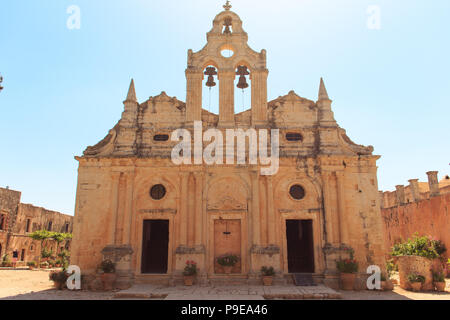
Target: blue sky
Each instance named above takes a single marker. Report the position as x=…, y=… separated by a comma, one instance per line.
x=64, y=88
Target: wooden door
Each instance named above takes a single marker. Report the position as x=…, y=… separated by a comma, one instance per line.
x=227, y=240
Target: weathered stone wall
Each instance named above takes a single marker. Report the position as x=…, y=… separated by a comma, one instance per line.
x=14, y=237
x=428, y=217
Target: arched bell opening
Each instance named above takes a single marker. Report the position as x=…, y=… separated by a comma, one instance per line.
x=243, y=89
x=210, y=89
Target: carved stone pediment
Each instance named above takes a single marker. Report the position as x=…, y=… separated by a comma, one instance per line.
x=226, y=204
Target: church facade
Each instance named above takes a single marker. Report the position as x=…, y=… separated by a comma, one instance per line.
x=150, y=215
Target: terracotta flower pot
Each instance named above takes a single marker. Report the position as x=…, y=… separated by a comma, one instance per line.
x=387, y=285
x=267, y=281
x=416, y=286
x=188, y=281
x=348, y=281
x=108, y=280
x=228, y=269
x=440, y=286
x=58, y=285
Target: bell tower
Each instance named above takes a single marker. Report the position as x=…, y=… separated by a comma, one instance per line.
x=227, y=55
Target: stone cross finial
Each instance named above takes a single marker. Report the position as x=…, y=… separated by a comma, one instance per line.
x=227, y=6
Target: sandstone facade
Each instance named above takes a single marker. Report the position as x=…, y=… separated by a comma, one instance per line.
x=325, y=192
x=17, y=220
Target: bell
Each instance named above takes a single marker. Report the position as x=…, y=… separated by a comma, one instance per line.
x=242, y=72
x=227, y=24
x=242, y=83
x=210, y=83
x=210, y=72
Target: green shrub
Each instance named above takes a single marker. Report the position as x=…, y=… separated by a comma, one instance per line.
x=228, y=260
x=107, y=266
x=347, y=266
x=31, y=264
x=190, y=269
x=419, y=246
x=268, y=271
x=45, y=254
x=438, y=277
x=58, y=276
x=415, y=278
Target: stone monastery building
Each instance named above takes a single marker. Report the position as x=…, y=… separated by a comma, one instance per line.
x=149, y=215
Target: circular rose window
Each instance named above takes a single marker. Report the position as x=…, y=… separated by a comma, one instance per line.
x=158, y=192
x=297, y=192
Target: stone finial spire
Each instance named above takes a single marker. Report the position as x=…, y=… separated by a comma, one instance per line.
x=323, y=94
x=227, y=6
x=131, y=93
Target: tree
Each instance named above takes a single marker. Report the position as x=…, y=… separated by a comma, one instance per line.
x=41, y=236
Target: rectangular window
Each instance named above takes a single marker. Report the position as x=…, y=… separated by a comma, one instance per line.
x=28, y=225
x=2, y=222
x=22, y=256
x=67, y=227
x=49, y=227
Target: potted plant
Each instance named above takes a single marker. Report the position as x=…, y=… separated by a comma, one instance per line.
x=190, y=271
x=44, y=265
x=31, y=265
x=6, y=263
x=267, y=275
x=416, y=281
x=348, y=269
x=58, y=264
x=108, y=276
x=59, y=279
x=439, y=281
x=228, y=262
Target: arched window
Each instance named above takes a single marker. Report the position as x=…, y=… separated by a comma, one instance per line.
x=49, y=226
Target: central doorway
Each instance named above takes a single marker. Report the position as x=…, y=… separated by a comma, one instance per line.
x=300, y=245
x=155, y=247
x=227, y=240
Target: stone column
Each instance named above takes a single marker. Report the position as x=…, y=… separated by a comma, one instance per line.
x=328, y=205
x=226, y=98
x=400, y=194
x=128, y=209
x=415, y=191
x=259, y=96
x=271, y=220
x=194, y=80
x=191, y=210
x=115, y=200
x=256, y=209
x=198, y=208
x=434, y=183
x=343, y=230
x=184, y=208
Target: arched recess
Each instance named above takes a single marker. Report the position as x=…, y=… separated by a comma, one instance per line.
x=308, y=208
x=227, y=199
